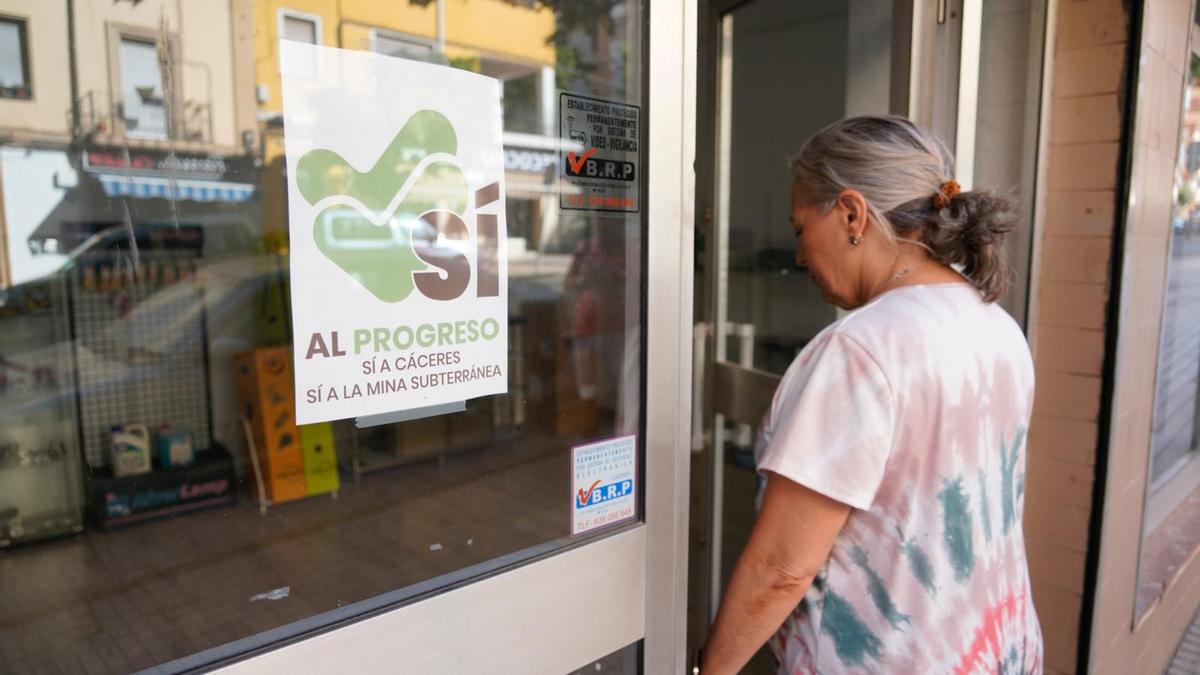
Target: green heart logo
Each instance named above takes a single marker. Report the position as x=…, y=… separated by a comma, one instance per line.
x=364, y=234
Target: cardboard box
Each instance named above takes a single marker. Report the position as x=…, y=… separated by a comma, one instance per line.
x=422, y=438
x=263, y=380
x=288, y=484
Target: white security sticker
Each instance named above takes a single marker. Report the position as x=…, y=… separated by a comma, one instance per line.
x=603, y=483
x=599, y=154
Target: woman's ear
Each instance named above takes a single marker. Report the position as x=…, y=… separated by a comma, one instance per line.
x=854, y=210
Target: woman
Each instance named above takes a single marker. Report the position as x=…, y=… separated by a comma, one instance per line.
x=889, y=538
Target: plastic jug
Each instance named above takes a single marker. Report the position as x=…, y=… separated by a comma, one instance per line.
x=130, y=450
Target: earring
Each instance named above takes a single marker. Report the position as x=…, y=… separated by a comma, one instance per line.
x=855, y=239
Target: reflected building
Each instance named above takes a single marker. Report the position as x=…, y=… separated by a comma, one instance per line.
x=143, y=106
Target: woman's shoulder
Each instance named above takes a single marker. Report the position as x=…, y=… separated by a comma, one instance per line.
x=937, y=321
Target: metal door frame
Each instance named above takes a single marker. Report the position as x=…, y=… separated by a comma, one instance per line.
x=573, y=606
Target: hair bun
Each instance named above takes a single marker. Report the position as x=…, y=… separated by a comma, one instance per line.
x=971, y=231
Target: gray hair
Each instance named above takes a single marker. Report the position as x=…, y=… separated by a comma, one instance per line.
x=899, y=168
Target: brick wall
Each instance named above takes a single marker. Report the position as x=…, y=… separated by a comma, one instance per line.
x=1078, y=213
x=1077, y=221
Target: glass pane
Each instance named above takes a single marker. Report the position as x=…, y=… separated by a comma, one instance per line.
x=842, y=49
x=159, y=504
x=1010, y=83
x=142, y=90
x=1171, y=530
x=1173, y=440
x=12, y=58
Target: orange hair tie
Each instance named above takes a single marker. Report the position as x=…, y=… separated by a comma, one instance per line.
x=942, y=199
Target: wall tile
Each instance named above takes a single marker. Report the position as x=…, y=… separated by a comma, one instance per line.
x=1087, y=166
x=1094, y=70
x=1050, y=564
x=1063, y=525
x=1073, y=396
x=1156, y=18
x=1090, y=23
x=1070, y=350
x=1081, y=213
x=1110, y=625
x=1086, y=119
x=1072, y=305
x=1081, y=259
x=1177, y=40
x=1060, y=648
x=1059, y=613
x=1063, y=439
x=1062, y=483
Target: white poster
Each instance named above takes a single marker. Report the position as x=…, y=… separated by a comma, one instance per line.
x=396, y=213
x=603, y=483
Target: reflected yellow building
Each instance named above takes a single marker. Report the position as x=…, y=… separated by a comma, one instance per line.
x=510, y=41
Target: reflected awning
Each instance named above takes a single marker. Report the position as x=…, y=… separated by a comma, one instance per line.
x=145, y=187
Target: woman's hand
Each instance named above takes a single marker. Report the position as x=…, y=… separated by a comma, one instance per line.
x=788, y=546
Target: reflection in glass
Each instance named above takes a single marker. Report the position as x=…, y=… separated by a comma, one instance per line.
x=1171, y=530
x=144, y=327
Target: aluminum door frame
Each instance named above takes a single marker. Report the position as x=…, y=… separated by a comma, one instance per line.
x=566, y=610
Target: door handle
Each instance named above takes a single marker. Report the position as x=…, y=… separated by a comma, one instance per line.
x=700, y=333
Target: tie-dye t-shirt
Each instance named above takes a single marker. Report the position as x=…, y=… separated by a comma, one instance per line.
x=912, y=410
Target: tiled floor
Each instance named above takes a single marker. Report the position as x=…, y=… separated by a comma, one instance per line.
x=113, y=602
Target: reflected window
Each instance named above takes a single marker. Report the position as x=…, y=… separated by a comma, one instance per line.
x=14, y=60
x=300, y=29
x=402, y=46
x=143, y=105
x=1171, y=529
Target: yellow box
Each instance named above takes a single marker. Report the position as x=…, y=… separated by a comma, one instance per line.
x=320, y=458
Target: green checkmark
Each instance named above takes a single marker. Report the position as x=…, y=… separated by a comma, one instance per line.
x=381, y=257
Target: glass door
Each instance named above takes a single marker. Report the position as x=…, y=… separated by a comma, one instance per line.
x=775, y=72
x=778, y=72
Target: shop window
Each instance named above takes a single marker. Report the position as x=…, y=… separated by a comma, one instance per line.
x=14, y=60
x=149, y=451
x=1172, y=512
x=1174, y=438
x=143, y=107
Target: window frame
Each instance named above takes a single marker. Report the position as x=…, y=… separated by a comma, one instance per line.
x=415, y=40
x=285, y=13
x=22, y=24
x=118, y=33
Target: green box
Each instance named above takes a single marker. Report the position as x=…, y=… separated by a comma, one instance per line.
x=320, y=458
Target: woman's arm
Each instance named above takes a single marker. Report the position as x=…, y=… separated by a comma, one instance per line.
x=788, y=546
